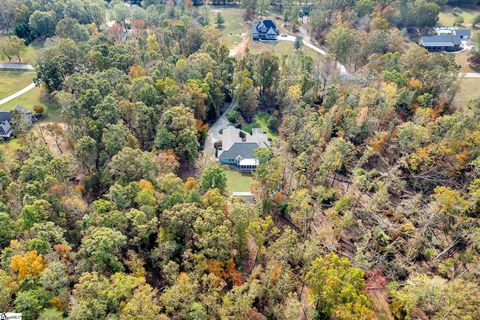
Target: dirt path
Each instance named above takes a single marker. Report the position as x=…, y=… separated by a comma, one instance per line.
x=241, y=47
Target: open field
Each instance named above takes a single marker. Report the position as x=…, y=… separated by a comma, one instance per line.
x=461, y=59
x=467, y=91
x=446, y=17
x=238, y=182
x=234, y=26
x=281, y=48
x=13, y=81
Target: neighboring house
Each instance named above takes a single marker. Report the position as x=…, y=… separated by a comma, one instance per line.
x=6, y=123
x=265, y=30
x=447, y=39
x=441, y=43
x=238, y=148
x=464, y=34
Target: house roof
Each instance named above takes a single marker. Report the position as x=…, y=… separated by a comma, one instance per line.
x=246, y=150
x=441, y=41
x=463, y=32
x=5, y=128
x=268, y=24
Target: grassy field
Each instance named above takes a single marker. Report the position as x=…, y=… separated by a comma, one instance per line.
x=234, y=26
x=467, y=91
x=260, y=121
x=13, y=81
x=446, y=17
x=238, y=182
x=281, y=48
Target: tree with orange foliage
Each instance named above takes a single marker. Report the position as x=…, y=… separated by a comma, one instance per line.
x=29, y=264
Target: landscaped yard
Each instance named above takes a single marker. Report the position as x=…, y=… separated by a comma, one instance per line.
x=467, y=91
x=260, y=121
x=238, y=182
x=233, y=27
x=14, y=81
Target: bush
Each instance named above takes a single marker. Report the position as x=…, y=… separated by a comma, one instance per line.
x=232, y=116
x=458, y=21
x=38, y=109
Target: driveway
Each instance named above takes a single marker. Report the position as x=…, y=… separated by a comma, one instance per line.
x=16, y=66
x=17, y=94
x=470, y=75
x=214, y=131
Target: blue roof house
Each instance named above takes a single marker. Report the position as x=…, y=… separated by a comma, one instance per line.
x=265, y=30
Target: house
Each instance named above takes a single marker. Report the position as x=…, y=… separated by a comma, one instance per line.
x=441, y=43
x=6, y=120
x=464, y=34
x=446, y=39
x=265, y=30
x=238, y=148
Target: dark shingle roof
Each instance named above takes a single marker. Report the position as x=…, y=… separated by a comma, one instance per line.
x=269, y=24
x=246, y=150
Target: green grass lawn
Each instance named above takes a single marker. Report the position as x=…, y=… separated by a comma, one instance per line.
x=467, y=91
x=260, y=121
x=234, y=25
x=446, y=17
x=281, y=48
x=238, y=182
x=13, y=81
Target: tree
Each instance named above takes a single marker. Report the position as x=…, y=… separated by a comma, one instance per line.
x=298, y=43
x=12, y=46
x=177, y=132
x=336, y=288
x=267, y=72
x=42, y=23
x=250, y=6
x=70, y=28
x=29, y=264
x=100, y=248
x=244, y=94
x=220, y=20
x=341, y=43
x=425, y=13
x=131, y=165
x=214, y=177
x=475, y=21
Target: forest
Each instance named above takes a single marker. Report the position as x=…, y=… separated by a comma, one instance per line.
x=366, y=205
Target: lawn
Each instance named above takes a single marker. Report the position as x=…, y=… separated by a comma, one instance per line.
x=233, y=27
x=446, y=17
x=281, y=48
x=467, y=91
x=13, y=81
x=260, y=121
x=238, y=182
x=33, y=97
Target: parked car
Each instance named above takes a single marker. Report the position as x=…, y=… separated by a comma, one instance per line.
x=284, y=35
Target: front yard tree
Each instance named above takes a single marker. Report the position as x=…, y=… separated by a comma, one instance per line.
x=219, y=20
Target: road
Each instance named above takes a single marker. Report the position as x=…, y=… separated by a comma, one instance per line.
x=470, y=75
x=16, y=66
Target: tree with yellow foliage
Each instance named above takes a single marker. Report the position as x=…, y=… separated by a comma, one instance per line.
x=29, y=264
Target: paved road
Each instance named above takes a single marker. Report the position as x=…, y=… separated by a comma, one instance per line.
x=17, y=94
x=470, y=75
x=214, y=134
x=16, y=66
x=343, y=71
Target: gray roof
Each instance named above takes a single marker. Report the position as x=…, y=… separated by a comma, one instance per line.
x=268, y=25
x=246, y=150
x=463, y=32
x=441, y=41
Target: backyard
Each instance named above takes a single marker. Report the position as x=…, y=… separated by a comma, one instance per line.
x=237, y=181
x=447, y=16
x=260, y=120
x=468, y=90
